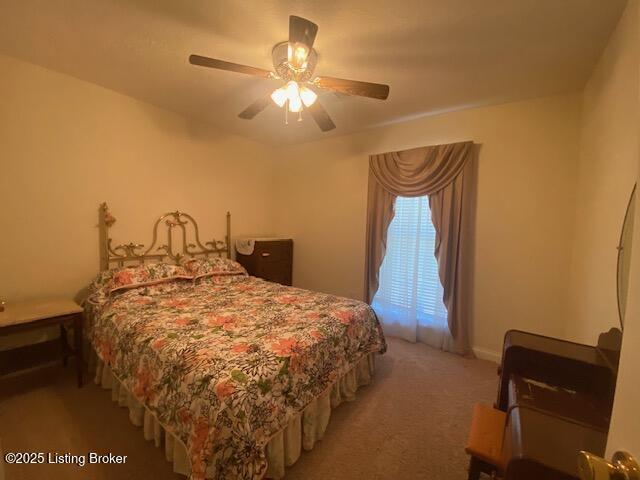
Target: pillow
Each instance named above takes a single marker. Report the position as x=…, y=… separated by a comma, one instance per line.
x=145, y=274
x=205, y=267
x=122, y=278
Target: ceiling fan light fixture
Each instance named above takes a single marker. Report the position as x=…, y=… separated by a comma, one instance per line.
x=295, y=104
x=279, y=96
x=293, y=90
x=295, y=95
x=297, y=55
x=308, y=96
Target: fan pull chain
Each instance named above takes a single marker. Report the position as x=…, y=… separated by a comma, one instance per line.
x=286, y=113
x=300, y=115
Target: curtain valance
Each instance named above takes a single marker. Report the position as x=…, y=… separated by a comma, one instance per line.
x=420, y=171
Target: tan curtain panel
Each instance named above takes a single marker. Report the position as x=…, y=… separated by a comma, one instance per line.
x=444, y=173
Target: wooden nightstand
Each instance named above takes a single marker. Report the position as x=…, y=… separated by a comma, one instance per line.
x=271, y=259
x=34, y=315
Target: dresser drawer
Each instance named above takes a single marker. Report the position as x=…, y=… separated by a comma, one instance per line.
x=276, y=251
x=279, y=272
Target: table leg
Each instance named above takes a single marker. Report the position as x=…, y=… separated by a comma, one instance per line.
x=77, y=336
x=64, y=342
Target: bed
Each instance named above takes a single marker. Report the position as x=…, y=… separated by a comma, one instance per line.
x=233, y=375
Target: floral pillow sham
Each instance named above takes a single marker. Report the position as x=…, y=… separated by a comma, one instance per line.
x=206, y=267
x=145, y=274
x=122, y=278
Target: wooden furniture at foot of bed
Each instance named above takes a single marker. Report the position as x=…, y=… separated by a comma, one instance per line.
x=36, y=315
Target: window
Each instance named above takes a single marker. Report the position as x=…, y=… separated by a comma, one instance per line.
x=409, y=297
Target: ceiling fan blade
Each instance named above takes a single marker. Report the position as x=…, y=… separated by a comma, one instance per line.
x=231, y=67
x=353, y=87
x=302, y=34
x=255, y=108
x=321, y=117
x=302, y=31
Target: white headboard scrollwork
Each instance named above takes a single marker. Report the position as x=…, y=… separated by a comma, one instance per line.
x=188, y=244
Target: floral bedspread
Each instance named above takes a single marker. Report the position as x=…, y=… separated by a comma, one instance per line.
x=226, y=362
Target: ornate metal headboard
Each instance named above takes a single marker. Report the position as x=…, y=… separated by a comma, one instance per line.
x=135, y=252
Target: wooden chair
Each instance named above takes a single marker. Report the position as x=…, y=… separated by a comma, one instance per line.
x=485, y=442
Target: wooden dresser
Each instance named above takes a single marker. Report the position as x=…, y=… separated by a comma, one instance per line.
x=271, y=260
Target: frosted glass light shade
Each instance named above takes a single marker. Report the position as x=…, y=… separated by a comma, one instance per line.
x=295, y=104
x=279, y=96
x=308, y=96
x=293, y=91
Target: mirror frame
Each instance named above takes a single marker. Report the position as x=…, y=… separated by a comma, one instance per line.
x=620, y=249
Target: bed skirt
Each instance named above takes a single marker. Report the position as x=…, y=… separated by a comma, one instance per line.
x=283, y=449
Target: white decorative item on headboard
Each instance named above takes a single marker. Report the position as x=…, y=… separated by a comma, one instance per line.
x=136, y=252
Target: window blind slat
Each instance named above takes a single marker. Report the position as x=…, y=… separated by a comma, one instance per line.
x=409, y=272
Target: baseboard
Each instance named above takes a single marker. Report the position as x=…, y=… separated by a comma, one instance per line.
x=486, y=354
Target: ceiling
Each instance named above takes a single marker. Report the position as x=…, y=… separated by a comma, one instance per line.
x=435, y=54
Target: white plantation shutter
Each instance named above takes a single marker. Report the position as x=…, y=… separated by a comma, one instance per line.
x=409, y=296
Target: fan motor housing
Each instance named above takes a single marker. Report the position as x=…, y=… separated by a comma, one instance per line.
x=280, y=57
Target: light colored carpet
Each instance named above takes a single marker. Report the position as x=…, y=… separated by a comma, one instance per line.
x=411, y=423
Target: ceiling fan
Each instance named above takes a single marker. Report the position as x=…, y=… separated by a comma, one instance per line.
x=294, y=62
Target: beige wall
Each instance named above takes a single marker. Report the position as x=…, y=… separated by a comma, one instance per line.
x=608, y=169
x=67, y=145
x=525, y=205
